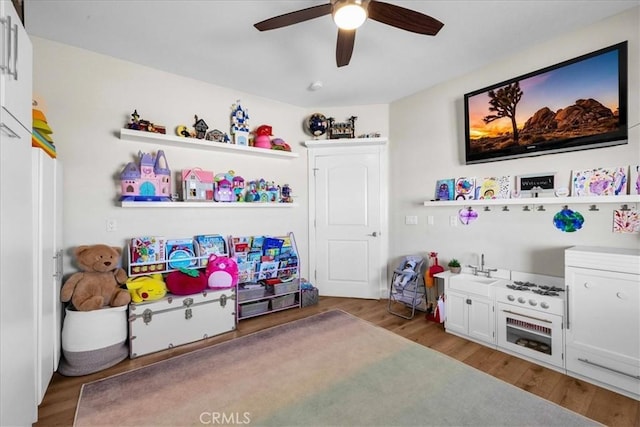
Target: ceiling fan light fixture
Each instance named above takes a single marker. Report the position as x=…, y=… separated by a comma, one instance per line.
x=349, y=15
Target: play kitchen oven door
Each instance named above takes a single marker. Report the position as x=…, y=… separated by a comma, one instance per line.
x=534, y=335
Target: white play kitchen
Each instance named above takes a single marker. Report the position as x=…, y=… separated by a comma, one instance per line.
x=586, y=324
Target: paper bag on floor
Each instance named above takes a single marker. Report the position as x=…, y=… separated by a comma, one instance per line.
x=438, y=313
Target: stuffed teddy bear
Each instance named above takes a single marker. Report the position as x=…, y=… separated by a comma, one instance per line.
x=98, y=285
x=147, y=288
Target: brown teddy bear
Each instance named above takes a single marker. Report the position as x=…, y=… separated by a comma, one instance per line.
x=98, y=285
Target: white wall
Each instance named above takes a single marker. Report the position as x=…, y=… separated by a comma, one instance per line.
x=89, y=97
x=427, y=143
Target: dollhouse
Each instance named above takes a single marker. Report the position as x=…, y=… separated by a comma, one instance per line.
x=197, y=185
x=149, y=181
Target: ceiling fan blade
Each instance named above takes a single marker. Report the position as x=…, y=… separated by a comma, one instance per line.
x=294, y=17
x=404, y=19
x=344, y=46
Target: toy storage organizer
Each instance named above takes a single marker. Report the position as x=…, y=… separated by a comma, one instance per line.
x=268, y=268
x=269, y=274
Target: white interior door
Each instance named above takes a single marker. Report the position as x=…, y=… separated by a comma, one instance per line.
x=348, y=237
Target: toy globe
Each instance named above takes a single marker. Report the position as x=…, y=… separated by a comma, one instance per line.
x=317, y=124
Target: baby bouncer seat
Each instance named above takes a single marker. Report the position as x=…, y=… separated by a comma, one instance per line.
x=407, y=291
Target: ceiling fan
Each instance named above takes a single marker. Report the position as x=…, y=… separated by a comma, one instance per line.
x=350, y=14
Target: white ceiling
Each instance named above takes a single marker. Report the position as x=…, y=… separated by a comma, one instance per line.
x=215, y=41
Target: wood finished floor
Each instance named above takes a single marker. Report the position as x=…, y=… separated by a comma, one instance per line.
x=604, y=406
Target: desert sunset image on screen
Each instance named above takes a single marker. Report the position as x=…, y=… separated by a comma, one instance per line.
x=561, y=105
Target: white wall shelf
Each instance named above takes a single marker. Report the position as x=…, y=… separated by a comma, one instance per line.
x=344, y=142
x=210, y=205
x=594, y=200
x=200, y=144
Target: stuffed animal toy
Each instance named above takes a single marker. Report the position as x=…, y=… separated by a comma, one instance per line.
x=185, y=281
x=98, y=285
x=146, y=288
x=221, y=272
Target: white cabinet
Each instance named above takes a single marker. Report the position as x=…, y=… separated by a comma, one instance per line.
x=471, y=316
x=18, y=403
x=16, y=64
x=603, y=317
x=47, y=245
x=469, y=310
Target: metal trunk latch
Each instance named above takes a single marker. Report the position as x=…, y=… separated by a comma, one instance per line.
x=223, y=300
x=146, y=316
x=188, y=313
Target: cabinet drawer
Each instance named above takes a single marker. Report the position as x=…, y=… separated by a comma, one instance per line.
x=618, y=376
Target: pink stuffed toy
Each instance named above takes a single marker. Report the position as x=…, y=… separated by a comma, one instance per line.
x=221, y=272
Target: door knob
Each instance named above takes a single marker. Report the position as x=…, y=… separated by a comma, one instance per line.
x=374, y=234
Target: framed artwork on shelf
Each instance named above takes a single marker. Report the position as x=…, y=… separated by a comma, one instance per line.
x=465, y=188
x=444, y=189
x=495, y=187
x=634, y=180
x=599, y=182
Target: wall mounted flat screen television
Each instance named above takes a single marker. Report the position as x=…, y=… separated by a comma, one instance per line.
x=575, y=105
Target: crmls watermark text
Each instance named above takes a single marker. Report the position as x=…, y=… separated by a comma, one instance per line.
x=225, y=418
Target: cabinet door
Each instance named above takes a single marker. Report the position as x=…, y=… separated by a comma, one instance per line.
x=603, y=313
x=17, y=343
x=17, y=63
x=482, y=320
x=456, y=313
x=47, y=300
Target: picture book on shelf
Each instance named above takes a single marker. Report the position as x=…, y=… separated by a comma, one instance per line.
x=207, y=244
x=241, y=244
x=181, y=253
x=271, y=246
x=246, y=271
x=268, y=270
x=148, y=252
x=288, y=267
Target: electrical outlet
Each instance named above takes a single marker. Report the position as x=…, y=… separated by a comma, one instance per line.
x=453, y=221
x=111, y=225
x=430, y=219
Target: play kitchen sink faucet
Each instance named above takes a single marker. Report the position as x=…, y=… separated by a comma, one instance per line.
x=482, y=270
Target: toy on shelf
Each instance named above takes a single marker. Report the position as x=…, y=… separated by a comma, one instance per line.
x=342, y=130
x=185, y=132
x=239, y=124
x=279, y=144
x=197, y=185
x=146, y=288
x=144, y=125
x=217, y=136
x=148, y=181
x=238, y=188
x=317, y=124
x=200, y=127
x=263, y=137
x=285, y=194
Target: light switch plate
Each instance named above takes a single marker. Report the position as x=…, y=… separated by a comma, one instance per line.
x=411, y=220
